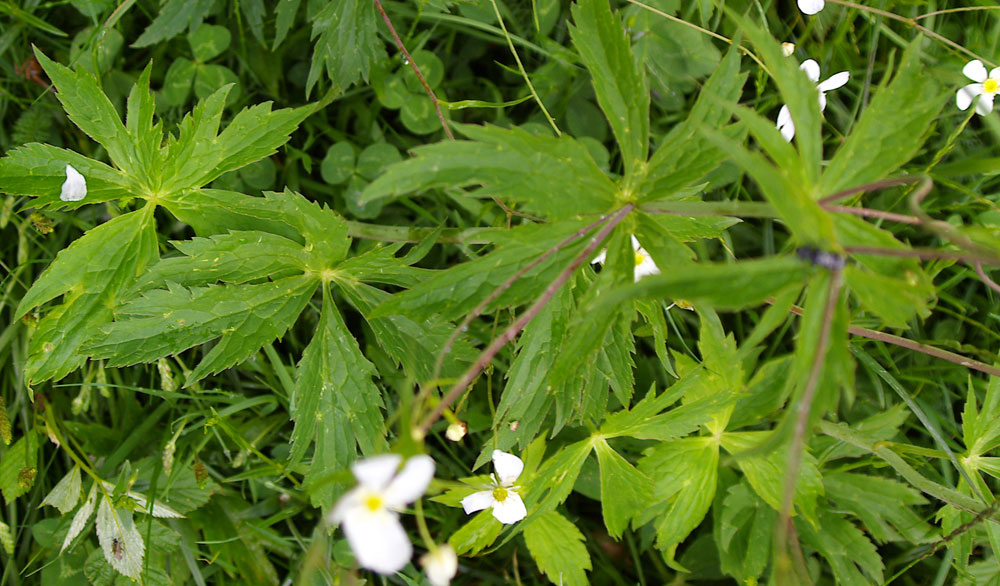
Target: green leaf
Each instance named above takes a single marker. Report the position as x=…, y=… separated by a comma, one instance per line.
x=167, y=321
x=720, y=285
x=88, y=108
x=476, y=535
x=39, y=170
x=125, y=245
x=334, y=394
x=284, y=18
x=178, y=82
x=211, y=78
x=685, y=156
x=743, y=533
x=890, y=131
x=208, y=41
x=766, y=472
x=174, y=17
x=625, y=491
x=338, y=164
x=643, y=422
x=883, y=505
x=18, y=467
x=894, y=300
x=981, y=431
x=348, y=43
x=254, y=11
x=557, y=546
x=620, y=85
x=66, y=493
x=845, y=548
x=553, y=177
x=120, y=539
x=685, y=474
x=765, y=394
x=80, y=518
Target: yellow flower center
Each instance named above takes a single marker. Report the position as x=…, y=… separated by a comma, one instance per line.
x=373, y=502
x=499, y=494
x=991, y=86
x=639, y=258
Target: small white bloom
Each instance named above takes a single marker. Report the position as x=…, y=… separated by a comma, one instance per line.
x=75, y=186
x=456, y=431
x=811, y=6
x=644, y=264
x=368, y=512
x=986, y=87
x=785, y=124
x=787, y=49
x=440, y=564
x=503, y=497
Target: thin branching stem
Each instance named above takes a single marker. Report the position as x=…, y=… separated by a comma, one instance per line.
x=487, y=355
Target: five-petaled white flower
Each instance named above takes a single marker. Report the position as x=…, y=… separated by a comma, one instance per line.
x=368, y=512
x=75, y=186
x=507, y=504
x=811, y=6
x=644, y=264
x=785, y=124
x=440, y=564
x=986, y=87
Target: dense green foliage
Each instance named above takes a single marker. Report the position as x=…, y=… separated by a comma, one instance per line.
x=287, y=259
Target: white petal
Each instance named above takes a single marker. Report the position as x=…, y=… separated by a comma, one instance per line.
x=75, y=186
x=411, y=482
x=975, y=70
x=822, y=101
x=995, y=73
x=507, y=466
x=811, y=6
x=963, y=99
x=811, y=68
x=785, y=124
x=376, y=472
x=478, y=501
x=441, y=565
x=599, y=259
x=834, y=81
x=511, y=510
x=635, y=243
x=350, y=500
x=646, y=267
x=985, y=105
x=378, y=540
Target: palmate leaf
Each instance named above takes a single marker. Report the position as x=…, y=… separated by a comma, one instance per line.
x=852, y=557
x=557, y=546
x=167, y=321
x=883, y=505
x=127, y=244
x=335, y=400
x=620, y=85
x=348, y=43
x=743, y=532
x=625, y=491
x=174, y=17
x=553, y=177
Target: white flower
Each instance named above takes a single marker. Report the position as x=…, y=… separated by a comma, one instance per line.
x=986, y=87
x=785, y=124
x=507, y=504
x=367, y=513
x=811, y=6
x=75, y=186
x=644, y=264
x=440, y=564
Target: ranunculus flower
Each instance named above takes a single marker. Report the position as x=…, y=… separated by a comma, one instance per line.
x=986, y=87
x=811, y=6
x=503, y=497
x=644, y=264
x=785, y=124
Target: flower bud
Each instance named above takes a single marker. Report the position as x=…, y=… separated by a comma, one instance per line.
x=440, y=564
x=787, y=49
x=456, y=431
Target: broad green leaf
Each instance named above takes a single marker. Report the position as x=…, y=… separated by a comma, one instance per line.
x=348, y=43
x=743, y=532
x=80, y=518
x=125, y=245
x=334, y=387
x=66, y=493
x=92, y=112
x=208, y=41
x=640, y=424
x=894, y=300
x=766, y=472
x=796, y=89
x=120, y=539
x=174, y=17
x=883, y=505
x=853, y=231
x=891, y=130
x=684, y=156
x=454, y=292
x=209, y=79
x=476, y=535
x=338, y=164
x=167, y=321
x=236, y=257
x=39, y=170
x=552, y=177
x=625, y=491
x=684, y=474
x=620, y=85
x=557, y=546
x=178, y=82
x=852, y=557
x=766, y=392
x=18, y=467
x=720, y=285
